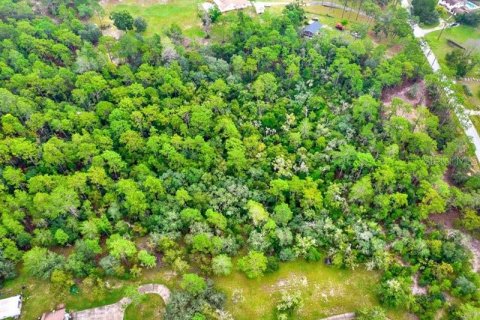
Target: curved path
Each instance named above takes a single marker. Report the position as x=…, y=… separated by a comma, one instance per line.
x=116, y=311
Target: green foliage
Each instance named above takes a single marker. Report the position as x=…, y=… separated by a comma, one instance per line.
x=40, y=262
x=123, y=20
x=146, y=259
x=461, y=62
x=222, y=265
x=193, y=284
x=375, y=313
x=261, y=143
x=254, y=264
x=290, y=301
x=140, y=24
x=426, y=11
x=469, y=18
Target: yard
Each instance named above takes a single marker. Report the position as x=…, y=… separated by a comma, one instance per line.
x=161, y=14
x=325, y=291
x=460, y=34
x=41, y=296
x=472, y=101
x=331, y=16
x=151, y=307
x=476, y=122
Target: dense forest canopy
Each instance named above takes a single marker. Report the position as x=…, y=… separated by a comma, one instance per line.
x=264, y=146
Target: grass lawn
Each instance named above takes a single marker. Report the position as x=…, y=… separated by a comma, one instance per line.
x=472, y=102
x=151, y=307
x=325, y=291
x=41, y=296
x=440, y=47
x=331, y=16
x=160, y=15
x=476, y=122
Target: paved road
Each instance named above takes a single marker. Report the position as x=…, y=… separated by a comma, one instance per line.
x=459, y=109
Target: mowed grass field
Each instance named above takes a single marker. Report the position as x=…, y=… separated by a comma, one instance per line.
x=151, y=307
x=476, y=122
x=161, y=14
x=331, y=16
x=326, y=291
x=460, y=34
x=473, y=101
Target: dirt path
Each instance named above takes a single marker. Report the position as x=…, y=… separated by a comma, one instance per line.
x=470, y=243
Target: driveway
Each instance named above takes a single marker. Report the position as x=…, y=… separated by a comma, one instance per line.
x=116, y=311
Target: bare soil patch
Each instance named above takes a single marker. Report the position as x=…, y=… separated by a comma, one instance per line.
x=413, y=92
x=446, y=219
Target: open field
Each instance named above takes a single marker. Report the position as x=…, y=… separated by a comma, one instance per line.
x=476, y=122
x=151, y=307
x=325, y=291
x=331, y=16
x=161, y=14
x=472, y=102
x=41, y=295
x=322, y=288
x=460, y=34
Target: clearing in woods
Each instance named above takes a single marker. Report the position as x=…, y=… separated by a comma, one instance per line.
x=321, y=286
x=159, y=14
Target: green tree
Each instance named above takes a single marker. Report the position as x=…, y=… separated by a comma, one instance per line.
x=425, y=11
x=254, y=264
x=123, y=20
x=222, y=265
x=140, y=24
x=40, y=262
x=193, y=284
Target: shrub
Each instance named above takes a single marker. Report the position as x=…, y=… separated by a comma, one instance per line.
x=193, y=284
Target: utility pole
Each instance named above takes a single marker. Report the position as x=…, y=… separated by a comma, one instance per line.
x=444, y=27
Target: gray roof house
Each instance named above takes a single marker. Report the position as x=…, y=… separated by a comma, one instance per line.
x=312, y=29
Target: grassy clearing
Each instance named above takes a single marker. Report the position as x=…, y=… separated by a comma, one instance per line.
x=331, y=16
x=160, y=15
x=325, y=291
x=440, y=47
x=476, y=122
x=41, y=296
x=472, y=102
x=151, y=307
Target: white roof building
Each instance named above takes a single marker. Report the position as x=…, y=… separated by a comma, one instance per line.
x=10, y=307
x=229, y=5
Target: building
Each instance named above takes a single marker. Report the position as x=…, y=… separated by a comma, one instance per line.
x=312, y=29
x=458, y=6
x=230, y=5
x=11, y=307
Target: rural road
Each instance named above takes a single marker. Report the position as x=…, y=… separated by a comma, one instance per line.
x=459, y=110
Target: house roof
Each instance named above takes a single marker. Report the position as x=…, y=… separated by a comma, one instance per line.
x=454, y=2
x=313, y=27
x=10, y=307
x=229, y=5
